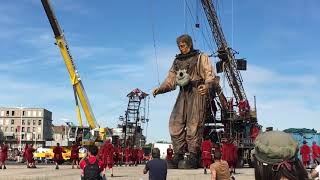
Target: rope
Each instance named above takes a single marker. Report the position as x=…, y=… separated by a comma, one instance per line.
x=193, y=19
x=154, y=39
x=232, y=23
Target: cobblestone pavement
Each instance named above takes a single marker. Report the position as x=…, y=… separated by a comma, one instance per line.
x=48, y=172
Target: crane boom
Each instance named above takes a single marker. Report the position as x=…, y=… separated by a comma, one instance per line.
x=225, y=53
x=78, y=88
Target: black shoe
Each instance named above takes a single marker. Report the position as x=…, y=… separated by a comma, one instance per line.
x=57, y=167
x=191, y=162
x=4, y=167
x=205, y=171
x=173, y=164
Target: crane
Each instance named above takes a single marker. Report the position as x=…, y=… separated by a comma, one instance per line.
x=234, y=124
x=78, y=88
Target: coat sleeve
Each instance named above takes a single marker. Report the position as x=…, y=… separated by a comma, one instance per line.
x=169, y=83
x=206, y=70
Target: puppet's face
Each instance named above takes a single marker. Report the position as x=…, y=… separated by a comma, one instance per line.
x=184, y=48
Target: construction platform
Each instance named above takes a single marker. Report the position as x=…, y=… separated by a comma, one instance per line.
x=48, y=172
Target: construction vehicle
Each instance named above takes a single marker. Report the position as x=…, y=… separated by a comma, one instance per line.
x=235, y=124
x=46, y=154
x=80, y=132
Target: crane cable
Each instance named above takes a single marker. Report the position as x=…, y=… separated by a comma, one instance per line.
x=154, y=39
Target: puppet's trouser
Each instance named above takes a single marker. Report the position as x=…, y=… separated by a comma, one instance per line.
x=186, y=123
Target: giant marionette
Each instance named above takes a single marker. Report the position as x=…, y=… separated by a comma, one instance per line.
x=193, y=73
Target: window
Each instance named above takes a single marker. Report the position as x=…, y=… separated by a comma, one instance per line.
x=28, y=129
x=7, y=113
x=23, y=113
x=39, y=136
x=28, y=122
x=22, y=136
x=34, y=122
x=23, y=122
x=40, y=113
x=7, y=121
x=34, y=113
x=33, y=136
x=29, y=113
x=39, y=122
x=12, y=121
x=22, y=129
x=33, y=129
x=2, y=113
x=12, y=113
x=16, y=129
x=12, y=129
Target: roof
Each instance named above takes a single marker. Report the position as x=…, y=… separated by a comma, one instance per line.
x=300, y=130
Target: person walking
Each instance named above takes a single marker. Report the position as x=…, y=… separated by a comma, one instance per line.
x=3, y=155
x=58, y=159
x=75, y=154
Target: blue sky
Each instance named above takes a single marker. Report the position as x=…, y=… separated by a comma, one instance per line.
x=112, y=45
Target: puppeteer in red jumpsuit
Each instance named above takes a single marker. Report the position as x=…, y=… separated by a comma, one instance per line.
x=230, y=154
x=206, y=147
x=3, y=155
x=134, y=156
x=254, y=132
x=127, y=155
x=29, y=156
x=305, y=153
x=75, y=155
x=169, y=153
x=315, y=150
x=58, y=159
x=140, y=155
x=107, y=155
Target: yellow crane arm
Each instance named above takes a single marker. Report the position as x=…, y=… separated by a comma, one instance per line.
x=74, y=76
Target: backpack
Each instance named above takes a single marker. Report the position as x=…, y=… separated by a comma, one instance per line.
x=92, y=171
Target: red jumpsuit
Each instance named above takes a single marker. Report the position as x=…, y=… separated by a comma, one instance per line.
x=3, y=153
x=305, y=154
x=169, y=153
x=58, y=154
x=74, y=152
x=315, y=151
x=25, y=152
x=230, y=154
x=140, y=155
x=107, y=155
x=29, y=154
x=134, y=156
x=127, y=154
x=206, y=147
x=116, y=155
x=254, y=132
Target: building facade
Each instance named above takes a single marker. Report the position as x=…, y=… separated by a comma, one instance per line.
x=25, y=125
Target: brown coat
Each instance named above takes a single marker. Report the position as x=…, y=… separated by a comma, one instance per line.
x=187, y=117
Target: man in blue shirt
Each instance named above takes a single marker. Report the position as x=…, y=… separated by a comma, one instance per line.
x=157, y=167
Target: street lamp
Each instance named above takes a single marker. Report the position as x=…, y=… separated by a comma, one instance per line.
x=20, y=146
x=35, y=137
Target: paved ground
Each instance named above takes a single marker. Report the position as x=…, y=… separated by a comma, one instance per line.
x=47, y=172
